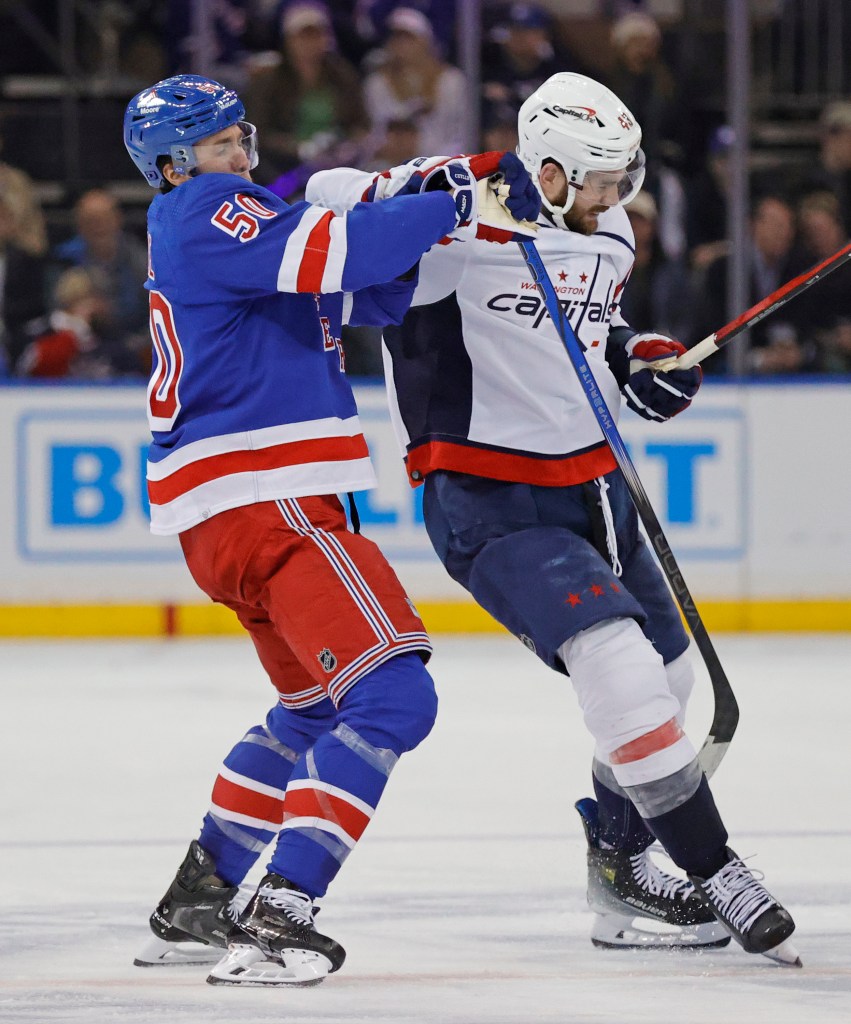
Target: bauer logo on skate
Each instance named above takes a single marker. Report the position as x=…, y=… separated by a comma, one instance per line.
x=78, y=495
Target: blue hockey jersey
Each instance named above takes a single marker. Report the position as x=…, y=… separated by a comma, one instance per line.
x=248, y=400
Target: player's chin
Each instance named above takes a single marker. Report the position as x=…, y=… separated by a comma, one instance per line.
x=589, y=223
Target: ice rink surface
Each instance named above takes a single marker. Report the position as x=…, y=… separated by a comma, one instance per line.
x=465, y=901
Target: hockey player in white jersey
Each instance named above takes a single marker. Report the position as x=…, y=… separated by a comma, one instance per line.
x=254, y=434
x=525, y=508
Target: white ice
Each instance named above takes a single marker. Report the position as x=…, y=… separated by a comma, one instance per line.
x=465, y=901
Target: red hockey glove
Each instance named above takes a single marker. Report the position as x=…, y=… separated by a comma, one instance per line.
x=654, y=395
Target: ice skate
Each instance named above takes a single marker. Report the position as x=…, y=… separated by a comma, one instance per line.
x=275, y=943
x=750, y=913
x=192, y=920
x=638, y=906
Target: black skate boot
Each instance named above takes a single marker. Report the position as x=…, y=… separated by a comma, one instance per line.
x=751, y=914
x=628, y=891
x=274, y=941
x=192, y=921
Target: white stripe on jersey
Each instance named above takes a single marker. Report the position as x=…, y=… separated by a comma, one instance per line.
x=338, y=248
x=294, y=251
x=252, y=440
x=238, y=489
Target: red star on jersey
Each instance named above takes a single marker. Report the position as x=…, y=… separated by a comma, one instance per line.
x=573, y=600
x=583, y=278
x=615, y=587
x=597, y=590
x=562, y=276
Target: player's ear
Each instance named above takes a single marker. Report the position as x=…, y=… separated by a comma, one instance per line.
x=173, y=175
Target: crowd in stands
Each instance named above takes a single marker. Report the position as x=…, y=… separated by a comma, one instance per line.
x=372, y=83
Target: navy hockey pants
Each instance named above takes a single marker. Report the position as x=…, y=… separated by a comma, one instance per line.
x=536, y=559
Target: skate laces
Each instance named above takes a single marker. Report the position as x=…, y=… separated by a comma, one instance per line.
x=297, y=906
x=738, y=894
x=657, y=882
x=240, y=900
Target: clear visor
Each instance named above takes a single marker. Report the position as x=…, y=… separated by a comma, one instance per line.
x=613, y=187
x=218, y=153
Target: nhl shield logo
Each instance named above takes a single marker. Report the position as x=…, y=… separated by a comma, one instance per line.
x=527, y=641
x=327, y=660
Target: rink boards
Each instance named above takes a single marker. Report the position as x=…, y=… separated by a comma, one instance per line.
x=752, y=485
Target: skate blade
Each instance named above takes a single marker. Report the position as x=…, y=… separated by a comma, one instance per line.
x=159, y=952
x=247, y=965
x=785, y=954
x=617, y=931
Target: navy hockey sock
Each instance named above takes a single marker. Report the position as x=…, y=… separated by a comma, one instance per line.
x=620, y=826
x=693, y=833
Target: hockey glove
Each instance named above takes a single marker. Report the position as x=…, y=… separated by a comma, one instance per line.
x=518, y=193
x=482, y=206
x=658, y=395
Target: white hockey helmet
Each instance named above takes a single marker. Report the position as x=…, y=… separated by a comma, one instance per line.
x=583, y=127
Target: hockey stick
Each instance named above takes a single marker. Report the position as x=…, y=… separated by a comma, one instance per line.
x=726, y=713
x=713, y=342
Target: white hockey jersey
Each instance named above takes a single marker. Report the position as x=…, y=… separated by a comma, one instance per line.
x=478, y=376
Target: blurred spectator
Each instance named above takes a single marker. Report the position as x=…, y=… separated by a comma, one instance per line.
x=119, y=259
x=413, y=83
x=499, y=127
x=78, y=337
x=645, y=84
x=308, y=105
x=777, y=344
x=519, y=56
x=825, y=310
x=27, y=231
x=641, y=78
x=64, y=344
x=214, y=41
x=371, y=18
x=835, y=156
x=400, y=143
x=656, y=296
x=22, y=288
x=706, y=202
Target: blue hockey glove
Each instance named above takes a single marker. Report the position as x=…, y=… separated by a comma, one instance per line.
x=654, y=395
x=455, y=178
x=523, y=199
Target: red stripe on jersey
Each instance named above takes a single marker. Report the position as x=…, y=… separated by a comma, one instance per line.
x=277, y=456
x=650, y=743
x=522, y=469
x=232, y=797
x=315, y=803
x=315, y=256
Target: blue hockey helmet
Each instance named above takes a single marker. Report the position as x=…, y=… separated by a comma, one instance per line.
x=167, y=119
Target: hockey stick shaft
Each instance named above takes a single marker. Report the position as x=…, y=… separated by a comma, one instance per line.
x=770, y=304
x=726, y=714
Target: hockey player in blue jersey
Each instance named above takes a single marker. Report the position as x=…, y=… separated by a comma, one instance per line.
x=255, y=433
x=524, y=506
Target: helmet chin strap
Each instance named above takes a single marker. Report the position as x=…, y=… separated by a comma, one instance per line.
x=557, y=212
